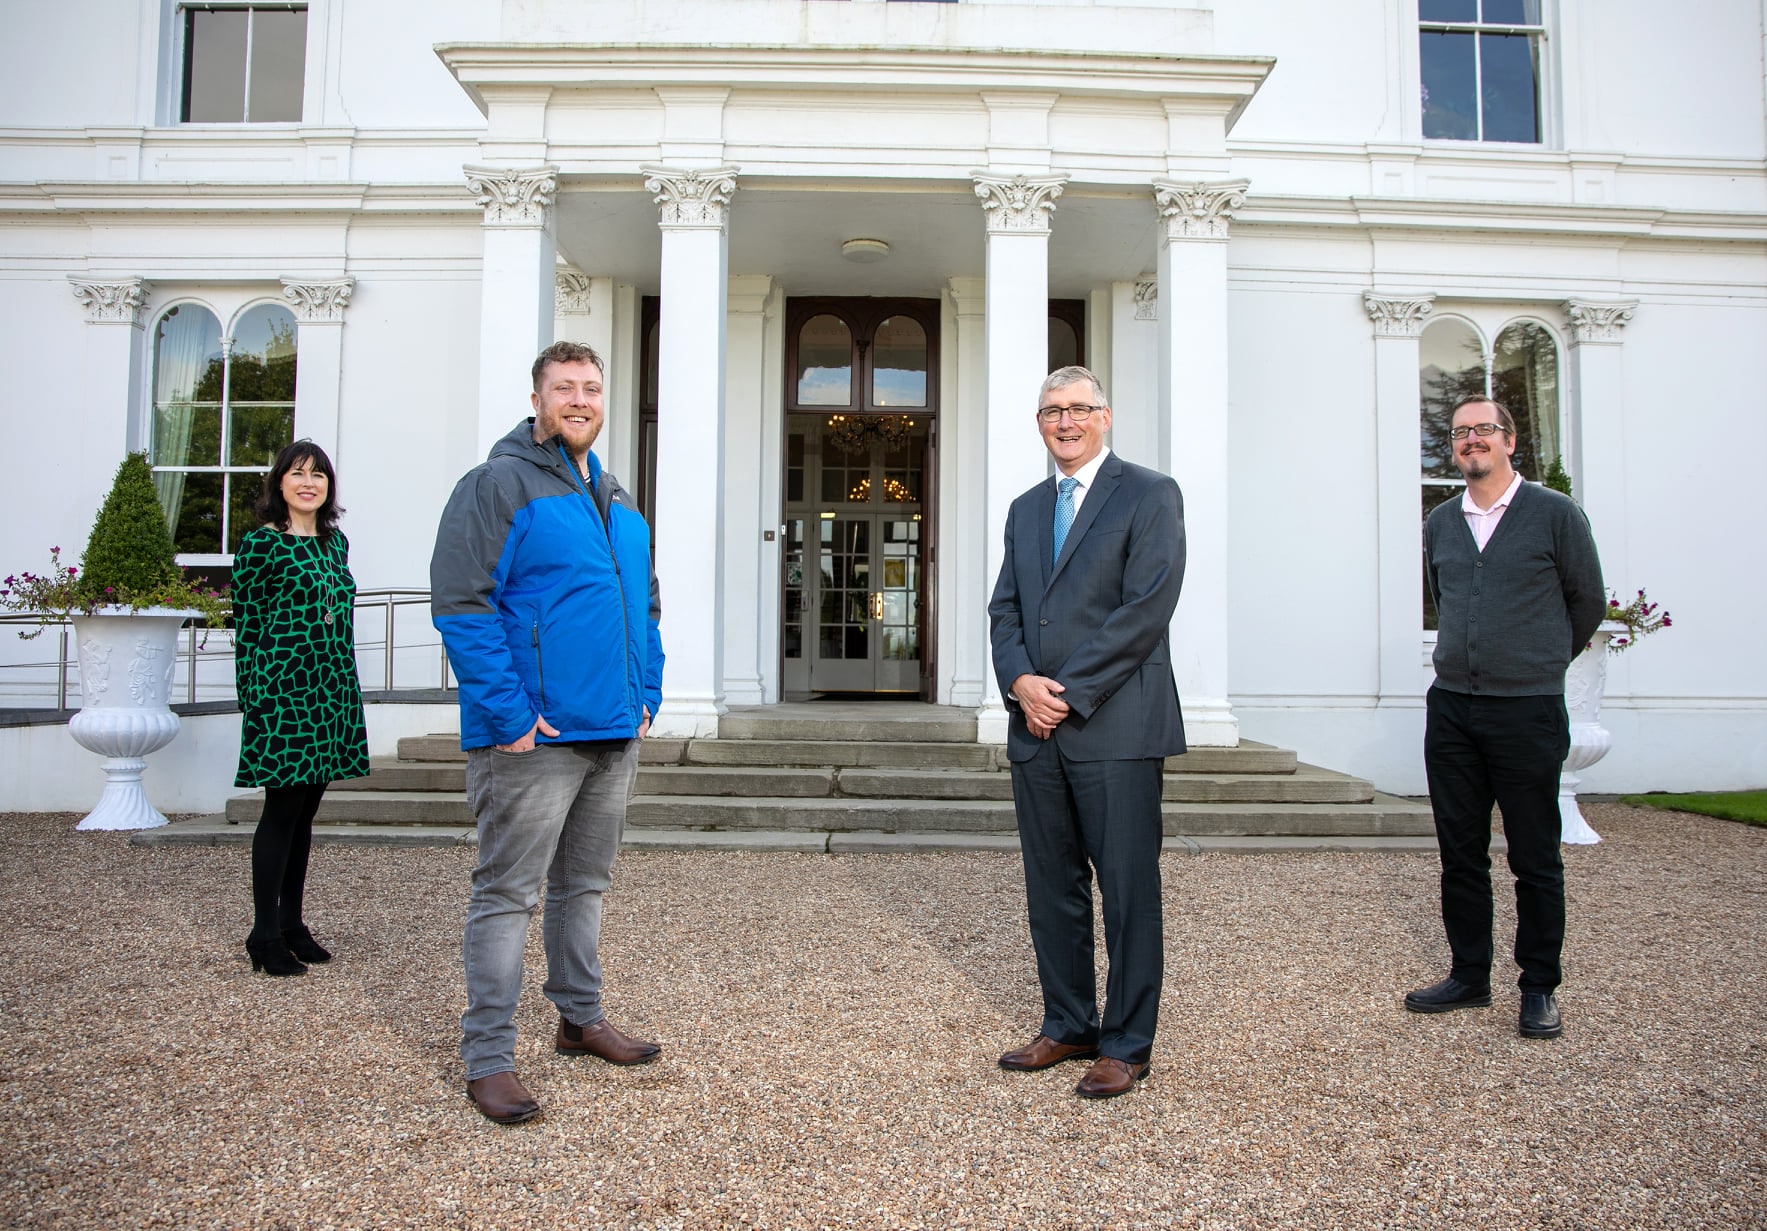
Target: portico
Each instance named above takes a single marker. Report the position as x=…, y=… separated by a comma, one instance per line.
x=610, y=175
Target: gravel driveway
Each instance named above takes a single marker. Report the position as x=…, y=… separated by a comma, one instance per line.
x=831, y=1025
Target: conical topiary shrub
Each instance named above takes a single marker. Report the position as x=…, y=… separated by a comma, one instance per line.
x=130, y=550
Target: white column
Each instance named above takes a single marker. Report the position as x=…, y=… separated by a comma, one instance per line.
x=1597, y=439
x=1193, y=441
x=517, y=284
x=115, y=421
x=690, y=442
x=750, y=449
x=1016, y=345
x=1399, y=321
x=625, y=368
x=963, y=500
x=319, y=359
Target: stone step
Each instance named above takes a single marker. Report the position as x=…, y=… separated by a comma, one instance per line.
x=1384, y=814
x=1308, y=785
x=883, y=721
x=1247, y=758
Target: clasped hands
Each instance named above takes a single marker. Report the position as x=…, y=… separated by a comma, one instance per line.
x=1038, y=700
x=526, y=742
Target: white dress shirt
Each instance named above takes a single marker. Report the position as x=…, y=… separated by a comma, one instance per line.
x=1086, y=474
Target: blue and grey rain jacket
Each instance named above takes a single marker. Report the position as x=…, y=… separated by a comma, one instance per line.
x=542, y=589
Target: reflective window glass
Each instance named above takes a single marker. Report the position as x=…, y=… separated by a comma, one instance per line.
x=825, y=362
x=898, y=363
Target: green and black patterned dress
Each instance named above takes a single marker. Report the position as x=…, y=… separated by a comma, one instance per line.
x=295, y=667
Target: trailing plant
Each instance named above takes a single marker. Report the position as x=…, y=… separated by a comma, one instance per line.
x=129, y=561
x=1640, y=616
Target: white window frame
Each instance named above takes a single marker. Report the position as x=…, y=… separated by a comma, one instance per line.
x=180, y=52
x=1545, y=86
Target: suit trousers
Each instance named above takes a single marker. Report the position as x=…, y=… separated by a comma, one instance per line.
x=1478, y=750
x=1074, y=818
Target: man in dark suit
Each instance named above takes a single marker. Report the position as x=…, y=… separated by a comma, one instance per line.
x=1094, y=562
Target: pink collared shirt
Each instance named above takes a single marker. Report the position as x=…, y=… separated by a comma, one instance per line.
x=1483, y=522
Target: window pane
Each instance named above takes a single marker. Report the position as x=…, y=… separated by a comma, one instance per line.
x=258, y=432
x=1434, y=494
x=1451, y=367
x=1450, y=86
x=1448, y=10
x=898, y=363
x=263, y=362
x=1524, y=377
x=187, y=356
x=186, y=435
x=279, y=62
x=1064, y=344
x=242, y=501
x=1511, y=110
x=825, y=362
x=195, y=511
x=1512, y=12
x=214, y=67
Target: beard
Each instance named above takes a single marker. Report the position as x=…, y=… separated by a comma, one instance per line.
x=1475, y=465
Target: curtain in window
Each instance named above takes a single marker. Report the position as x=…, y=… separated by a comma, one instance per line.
x=189, y=339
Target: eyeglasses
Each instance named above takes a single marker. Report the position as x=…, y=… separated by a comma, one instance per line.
x=1482, y=429
x=1079, y=414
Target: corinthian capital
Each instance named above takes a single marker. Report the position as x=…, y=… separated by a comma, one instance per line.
x=691, y=198
x=1017, y=203
x=118, y=302
x=1598, y=320
x=1398, y=316
x=570, y=293
x=517, y=197
x=1198, y=210
x=319, y=302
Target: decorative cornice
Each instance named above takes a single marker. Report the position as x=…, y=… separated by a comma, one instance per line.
x=319, y=302
x=112, y=303
x=570, y=293
x=1398, y=316
x=514, y=197
x=1147, y=299
x=1017, y=203
x=1198, y=210
x=690, y=199
x=1599, y=320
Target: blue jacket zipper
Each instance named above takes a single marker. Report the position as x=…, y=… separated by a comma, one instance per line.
x=619, y=577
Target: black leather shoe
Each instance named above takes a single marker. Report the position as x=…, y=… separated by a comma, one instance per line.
x=300, y=942
x=1540, y=1019
x=273, y=958
x=1446, y=996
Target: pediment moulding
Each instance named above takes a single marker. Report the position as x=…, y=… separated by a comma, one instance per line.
x=1199, y=210
x=514, y=196
x=1599, y=320
x=319, y=302
x=1015, y=204
x=691, y=198
x=570, y=293
x=118, y=301
x=1398, y=316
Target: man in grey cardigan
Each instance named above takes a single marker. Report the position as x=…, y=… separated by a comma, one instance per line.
x=1518, y=588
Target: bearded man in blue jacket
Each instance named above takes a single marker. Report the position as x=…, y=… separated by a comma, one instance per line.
x=542, y=588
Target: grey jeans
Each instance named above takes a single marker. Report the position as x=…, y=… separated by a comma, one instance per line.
x=555, y=815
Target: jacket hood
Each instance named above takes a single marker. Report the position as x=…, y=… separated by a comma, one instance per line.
x=520, y=443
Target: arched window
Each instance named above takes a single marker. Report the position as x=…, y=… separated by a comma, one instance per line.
x=898, y=362
x=825, y=362
x=222, y=408
x=1520, y=370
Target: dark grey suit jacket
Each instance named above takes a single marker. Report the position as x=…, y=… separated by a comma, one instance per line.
x=1097, y=619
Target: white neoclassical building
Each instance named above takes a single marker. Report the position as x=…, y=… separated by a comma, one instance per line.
x=830, y=247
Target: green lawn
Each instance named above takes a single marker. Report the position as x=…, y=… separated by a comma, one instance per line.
x=1747, y=806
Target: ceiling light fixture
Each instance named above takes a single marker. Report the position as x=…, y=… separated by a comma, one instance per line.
x=865, y=251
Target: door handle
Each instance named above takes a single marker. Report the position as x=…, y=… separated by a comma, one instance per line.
x=877, y=604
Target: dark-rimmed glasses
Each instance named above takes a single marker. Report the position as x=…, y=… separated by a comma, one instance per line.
x=1482, y=429
x=1079, y=414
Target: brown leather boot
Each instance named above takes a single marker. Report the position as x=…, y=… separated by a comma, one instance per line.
x=604, y=1041
x=502, y=1097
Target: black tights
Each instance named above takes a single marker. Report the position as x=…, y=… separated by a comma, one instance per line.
x=279, y=858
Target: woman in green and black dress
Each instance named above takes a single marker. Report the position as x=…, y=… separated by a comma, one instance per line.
x=295, y=661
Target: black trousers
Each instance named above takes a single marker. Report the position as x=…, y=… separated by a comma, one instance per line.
x=279, y=858
x=1074, y=818
x=1478, y=750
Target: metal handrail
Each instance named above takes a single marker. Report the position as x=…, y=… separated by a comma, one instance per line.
x=193, y=651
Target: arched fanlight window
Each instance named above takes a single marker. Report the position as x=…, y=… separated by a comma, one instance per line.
x=825, y=362
x=222, y=408
x=898, y=363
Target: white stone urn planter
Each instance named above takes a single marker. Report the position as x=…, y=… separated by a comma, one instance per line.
x=126, y=664
x=1585, y=684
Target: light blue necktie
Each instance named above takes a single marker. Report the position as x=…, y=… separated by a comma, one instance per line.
x=1064, y=513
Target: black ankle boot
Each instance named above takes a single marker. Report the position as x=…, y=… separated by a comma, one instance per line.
x=300, y=942
x=273, y=958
